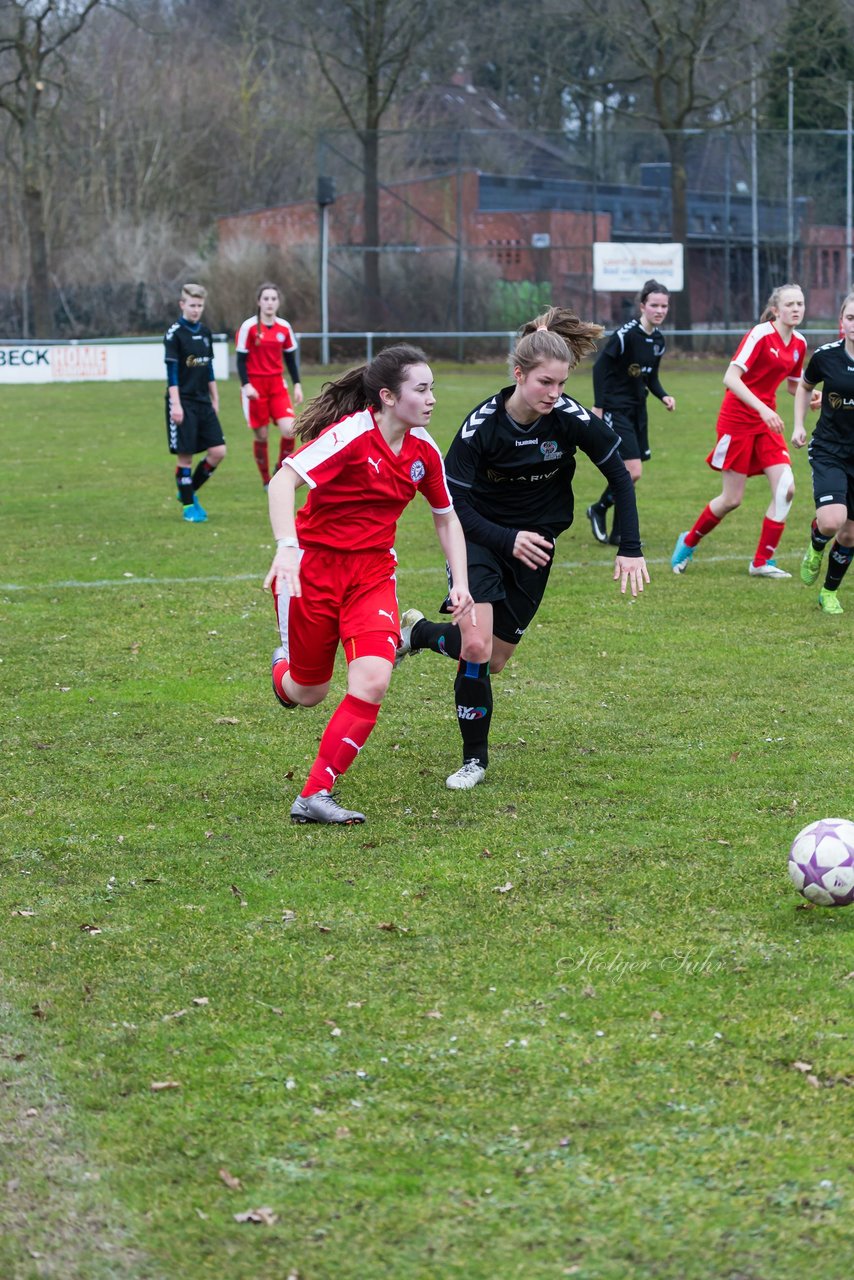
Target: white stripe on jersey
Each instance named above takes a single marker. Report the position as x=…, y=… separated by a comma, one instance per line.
x=421, y=433
x=331, y=441
x=757, y=333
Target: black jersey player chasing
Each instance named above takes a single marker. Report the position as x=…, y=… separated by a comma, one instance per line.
x=831, y=455
x=509, y=470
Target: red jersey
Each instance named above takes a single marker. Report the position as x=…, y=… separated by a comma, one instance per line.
x=264, y=346
x=359, y=486
x=766, y=361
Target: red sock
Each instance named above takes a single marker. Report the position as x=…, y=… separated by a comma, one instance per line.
x=262, y=459
x=343, y=739
x=769, y=540
x=286, y=448
x=280, y=670
x=705, y=523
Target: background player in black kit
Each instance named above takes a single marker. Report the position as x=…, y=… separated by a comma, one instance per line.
x=626, y=369
x=510, y=469
x=192, y=401
x=831, y=455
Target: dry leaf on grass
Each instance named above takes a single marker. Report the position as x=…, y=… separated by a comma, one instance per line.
x=233, y=1184
x=159, y=1086
x=802, y=1066
x=226, y=720
x=265, y=1216
x=91, y=929
x=23, y=913
x=503, y=888
x=200, y=1000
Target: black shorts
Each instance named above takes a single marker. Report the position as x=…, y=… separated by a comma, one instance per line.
x=633, y=430
x=832, y=479
x=199, y=431
x=513, y=590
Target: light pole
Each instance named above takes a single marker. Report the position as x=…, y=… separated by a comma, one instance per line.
x=325, y=198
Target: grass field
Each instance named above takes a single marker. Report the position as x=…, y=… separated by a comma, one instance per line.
x=573, y=1023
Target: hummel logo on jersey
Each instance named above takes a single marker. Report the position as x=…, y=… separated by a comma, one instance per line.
x=520, y=443
x=375, y=465
x=474, y=420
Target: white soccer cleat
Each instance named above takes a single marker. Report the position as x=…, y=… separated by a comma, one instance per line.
x=407, y=622
x=767, y=570
x=467, y=777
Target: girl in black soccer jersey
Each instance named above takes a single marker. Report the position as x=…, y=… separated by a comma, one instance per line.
x=510, y=470
x=192, y=402
x=831, y=454
x=626, y=370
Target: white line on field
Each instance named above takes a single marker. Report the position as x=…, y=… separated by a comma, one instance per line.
x=73, y=584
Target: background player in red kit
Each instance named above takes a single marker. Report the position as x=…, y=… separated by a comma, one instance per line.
x=750, y=431
x=333, y=575
x=263, y=342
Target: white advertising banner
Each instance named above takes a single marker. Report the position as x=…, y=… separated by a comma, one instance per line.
x=94, y=361
x=626, y=267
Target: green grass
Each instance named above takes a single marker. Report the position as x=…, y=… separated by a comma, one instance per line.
x=589, y=1074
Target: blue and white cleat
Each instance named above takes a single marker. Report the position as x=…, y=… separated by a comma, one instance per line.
x=682, y=554
x=192, y=516
x=201, y=514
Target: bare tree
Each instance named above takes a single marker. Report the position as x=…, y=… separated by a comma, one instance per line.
x=364, y=48
x=33, y=34
x=676, y=58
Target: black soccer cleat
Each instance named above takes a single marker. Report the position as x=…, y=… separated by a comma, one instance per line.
x=596, y=516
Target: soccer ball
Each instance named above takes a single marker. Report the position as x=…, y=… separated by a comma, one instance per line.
x=821, y=862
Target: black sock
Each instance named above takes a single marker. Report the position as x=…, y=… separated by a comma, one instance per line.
x=606, y=502
x=184, y=481
x=837, y=565
x=441, y=637
x=819, y=541
x=473, y=693
x=203, y=472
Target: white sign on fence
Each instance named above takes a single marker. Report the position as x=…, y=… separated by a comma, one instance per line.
x=626, y=267
x=94, y=361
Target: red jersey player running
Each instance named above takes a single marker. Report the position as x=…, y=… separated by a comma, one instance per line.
x=262, y=342
x=750, y=431
x=333, y=576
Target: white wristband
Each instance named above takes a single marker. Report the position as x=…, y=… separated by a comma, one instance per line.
x=287, y=542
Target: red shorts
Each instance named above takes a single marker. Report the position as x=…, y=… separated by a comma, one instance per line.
x=273, y=403
x=749, y=454
x=348, y=598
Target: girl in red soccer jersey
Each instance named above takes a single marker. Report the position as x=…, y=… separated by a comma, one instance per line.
x=750, y=431
x=367, y=454
x=263, y=342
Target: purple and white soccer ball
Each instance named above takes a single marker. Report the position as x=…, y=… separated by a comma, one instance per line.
x=821, y=862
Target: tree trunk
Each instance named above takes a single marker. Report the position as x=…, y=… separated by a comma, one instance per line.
x=39, y=275
x=679, y=225
x=373, y=299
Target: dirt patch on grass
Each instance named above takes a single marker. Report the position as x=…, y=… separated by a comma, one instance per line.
x=57, y=1219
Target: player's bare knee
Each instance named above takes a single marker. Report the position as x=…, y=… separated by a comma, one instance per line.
x=477, y=649
x=828, y=523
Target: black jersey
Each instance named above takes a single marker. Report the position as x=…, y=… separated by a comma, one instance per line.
x=834, y=367
x=191, y=348
x=626, y=366
x=505, y=477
